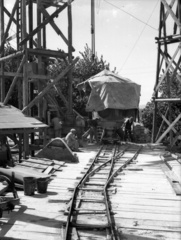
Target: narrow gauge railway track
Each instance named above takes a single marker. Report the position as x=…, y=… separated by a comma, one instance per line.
x=89, y=212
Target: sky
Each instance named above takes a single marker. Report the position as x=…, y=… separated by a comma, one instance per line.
x=125, y=32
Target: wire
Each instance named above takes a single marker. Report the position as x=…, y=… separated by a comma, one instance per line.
x=138, y=37
x=132, y=15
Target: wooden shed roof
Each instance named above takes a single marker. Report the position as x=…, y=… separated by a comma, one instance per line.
x=13, y=118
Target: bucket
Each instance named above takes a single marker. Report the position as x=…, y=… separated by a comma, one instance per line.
x=42, y=184
x=29, y=184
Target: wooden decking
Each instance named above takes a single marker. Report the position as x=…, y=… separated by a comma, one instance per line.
x=146, y=204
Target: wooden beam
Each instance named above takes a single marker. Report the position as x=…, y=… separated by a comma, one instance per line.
x=168, y=67
x=48, y=87
x=161, y=126
x=169, y=128
x=47, y=53
x=11, y=74
x=54, y=26
x=176, y=20
x=9, y=25
x=168, y=123
x=15, y=21
x=14, y=81
x=13, y=55
x=9, y=14
x=37, y=29
x=166, y=59
x=167, y=99
x=70, y=104
x=2, y=81
x=11, y=37
x=167, y=13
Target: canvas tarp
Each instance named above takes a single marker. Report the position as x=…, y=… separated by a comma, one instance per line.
x=109, y=90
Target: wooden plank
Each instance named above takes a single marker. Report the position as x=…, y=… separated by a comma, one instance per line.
x=32, y=165
x=173, y=180
x=49, y=170
x=39, y=161
x=44, y=23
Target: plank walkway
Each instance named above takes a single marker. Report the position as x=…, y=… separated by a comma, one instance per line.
x=146, y=204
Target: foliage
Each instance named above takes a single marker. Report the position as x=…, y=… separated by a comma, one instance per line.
x=175, y=92
x=85, y=68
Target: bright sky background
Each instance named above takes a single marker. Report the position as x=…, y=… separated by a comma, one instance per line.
x=125, y=42
x=125, y=36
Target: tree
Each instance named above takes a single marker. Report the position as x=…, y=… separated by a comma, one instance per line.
x=175, y=91
x=86, y=67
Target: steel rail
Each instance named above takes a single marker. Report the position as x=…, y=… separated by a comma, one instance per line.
x=110, y=233
x=110, y=228
x=102, y=165
x=113, y=235
x=123, y=166
x=74, y=194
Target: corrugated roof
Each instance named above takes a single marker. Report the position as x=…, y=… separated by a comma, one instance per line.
x=13, y=118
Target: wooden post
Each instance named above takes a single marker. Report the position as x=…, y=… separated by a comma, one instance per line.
x=154, y=128
x=2, y=81
x=31, y=84
x=168, y=82
x=19, y=38
x=93, y=27
x=25, y=77
x=39, y=42
x=70, y=112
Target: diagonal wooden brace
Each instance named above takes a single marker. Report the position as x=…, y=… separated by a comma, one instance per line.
x=43, y=24
x=50, y=85
x=168, y=67
x=171, y=13
x=169, y=128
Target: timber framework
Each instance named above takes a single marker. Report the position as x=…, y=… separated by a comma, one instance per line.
x=33, y=82
x=168, y=70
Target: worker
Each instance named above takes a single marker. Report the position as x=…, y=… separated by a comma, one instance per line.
x=71, y=140
x=92, y=130
x=128, y=131
x=57, y=125
x=80, y=125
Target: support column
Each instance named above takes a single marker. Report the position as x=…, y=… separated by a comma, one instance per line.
x=39, y=43
x=2, y=80
x=25, y=77
x=154, y=127
x=70, y=77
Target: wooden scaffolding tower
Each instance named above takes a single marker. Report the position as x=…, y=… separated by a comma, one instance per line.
x=168, y=68
x=31, y=18
x=32, y=41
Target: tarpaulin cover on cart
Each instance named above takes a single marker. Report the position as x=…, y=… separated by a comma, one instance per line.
x=109, y=90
